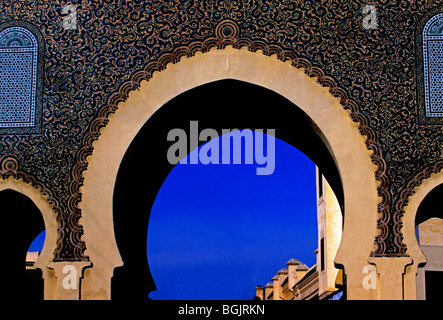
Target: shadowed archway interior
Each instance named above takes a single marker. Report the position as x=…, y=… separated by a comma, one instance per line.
x=24, y=222
x=224, y=104
x=429, y=207
x=429, y=278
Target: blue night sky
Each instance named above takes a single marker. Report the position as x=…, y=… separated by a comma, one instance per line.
x=217, y=231
x=37, y=244
x=232, y=229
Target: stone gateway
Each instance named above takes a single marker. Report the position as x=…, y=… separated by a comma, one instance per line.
x=84, y=84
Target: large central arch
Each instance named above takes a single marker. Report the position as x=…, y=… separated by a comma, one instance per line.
x=220, y=105
x=336, y=129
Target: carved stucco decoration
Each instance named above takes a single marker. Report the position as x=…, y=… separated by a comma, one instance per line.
x=119, y=43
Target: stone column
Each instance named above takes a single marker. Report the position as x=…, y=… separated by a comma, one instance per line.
x=259, y=292
x=269, y=287
x=292, y=273
x=276, y=288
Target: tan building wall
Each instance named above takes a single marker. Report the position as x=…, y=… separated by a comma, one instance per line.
x=431, y=232
x=330, y=224
x=321, y=282
x=298, y=281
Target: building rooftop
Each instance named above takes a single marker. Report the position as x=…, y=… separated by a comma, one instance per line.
x=292, y=262
x=302, y=266
x=282, y=271
x=32, y=256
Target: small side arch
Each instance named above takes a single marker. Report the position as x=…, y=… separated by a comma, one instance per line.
x=409, y=231
x=11, y=186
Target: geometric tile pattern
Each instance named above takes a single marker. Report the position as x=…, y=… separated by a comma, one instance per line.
x=18, y=77
x=433, y=66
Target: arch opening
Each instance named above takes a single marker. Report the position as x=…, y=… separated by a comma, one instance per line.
x=217, y=231
x=21, y=215
x=223, y=104
x=429, y=233
x=429, y=206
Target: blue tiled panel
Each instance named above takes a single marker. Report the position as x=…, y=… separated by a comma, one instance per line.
x=18, y=80
x=433, y=66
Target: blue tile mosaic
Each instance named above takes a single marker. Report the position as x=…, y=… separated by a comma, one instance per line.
x=433, y=66
x=18, y=81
